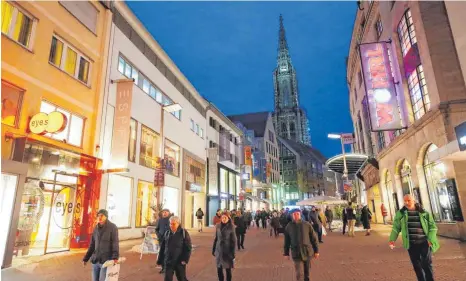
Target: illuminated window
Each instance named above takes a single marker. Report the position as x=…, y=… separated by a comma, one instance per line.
x=406, y=32
x=69, y=60
x=73, y=132
x=146, y=199
x=11, y=104
x=379, y=27
x=418, y=92
x=133, y=125
x=17, y=24
x=150, y=143
x=119, y=200
x=172, y=158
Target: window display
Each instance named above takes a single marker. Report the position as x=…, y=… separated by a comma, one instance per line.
x=119, y=200
x=223, y=180
x=172, y=158
x=133, y=125
x=11, y=104
x=171, y=197
x=150, y=143
x=147, y=198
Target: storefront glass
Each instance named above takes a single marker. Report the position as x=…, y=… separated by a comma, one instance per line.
x=231, y=184
x=223, y=180
x=172, y=158
x=238, y=185
x=133, y=125
x=147, y=198
x=11, y=104
x=8, y=186
x=171, y=197
x=150, y=146
x=119, y=200
x=406, y=182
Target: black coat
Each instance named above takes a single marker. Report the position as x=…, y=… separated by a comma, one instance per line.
x=366, y=217
x=104, y=244
x=298, y=247
x=224, y=245
x=240, y=225
x=175, y=248
x=199, y=214
x=329, y=215
x=305, y=213
x=315, y=219
x=163, y=225
x=275, y=222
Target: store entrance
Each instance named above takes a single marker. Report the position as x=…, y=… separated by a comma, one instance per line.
x=8, y=186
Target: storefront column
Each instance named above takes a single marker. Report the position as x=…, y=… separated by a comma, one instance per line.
x=460, y=173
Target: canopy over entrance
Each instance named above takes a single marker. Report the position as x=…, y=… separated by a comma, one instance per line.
x=354, y=162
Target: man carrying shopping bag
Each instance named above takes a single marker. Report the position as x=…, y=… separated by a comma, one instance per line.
x=104, y=246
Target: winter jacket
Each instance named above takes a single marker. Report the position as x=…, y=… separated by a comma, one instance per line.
x=350, y=215
x=300, y=248
x=224, y=245
x=400, y=224
x=163, y=225
x=199, y=214
x=175, y=248
x=329, y=215
x=217, y=220
x=104, y=244
x=315, y=219
x=305, y=214
x=240, y=225
x=366, y=217
x=275, y=222
x=284, y=220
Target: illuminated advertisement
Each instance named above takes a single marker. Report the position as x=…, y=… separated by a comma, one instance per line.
x=248, y=156
x=380, y=88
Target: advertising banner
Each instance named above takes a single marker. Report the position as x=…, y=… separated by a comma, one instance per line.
x=348, y=186
x=159, y=176
x=213, y=171
x=380, y=87
x=248, y=155
x=269, y=170
x=121, y=126
x=347, y=138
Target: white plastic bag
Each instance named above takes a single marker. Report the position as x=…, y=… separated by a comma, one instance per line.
x=324, y=232
x=113, y=272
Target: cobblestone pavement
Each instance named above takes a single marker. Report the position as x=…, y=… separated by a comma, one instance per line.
x=342, y=258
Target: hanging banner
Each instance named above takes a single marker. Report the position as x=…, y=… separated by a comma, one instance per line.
x=348, y=186
x=159, y=176
x=380, y=87
x=248, y=155
x=212, y=154
x=121, y=126
x=269, y=170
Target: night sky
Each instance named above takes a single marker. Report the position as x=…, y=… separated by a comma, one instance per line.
x=228, y=51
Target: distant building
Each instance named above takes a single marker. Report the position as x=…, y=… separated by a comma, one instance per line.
x=290, y=120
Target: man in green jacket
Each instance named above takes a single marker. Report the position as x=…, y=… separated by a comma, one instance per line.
x=419, y=234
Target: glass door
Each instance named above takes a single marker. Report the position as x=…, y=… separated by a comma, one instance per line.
x=8, y=188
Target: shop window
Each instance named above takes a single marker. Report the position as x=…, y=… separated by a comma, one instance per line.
x=68, y=59
x=146, y=200
x=223, y=180
x=232, y=183
x=406, y=32
x=17, y=24
x=195, y=171
x=406, y=181
x=119, y=200
x=11, y=104
x=73, y=132
x=133, y=125
x=418, y=92
x=150, y=143
x=379, y=27
x=171, y=199
x=238, y=185
x=172, y=158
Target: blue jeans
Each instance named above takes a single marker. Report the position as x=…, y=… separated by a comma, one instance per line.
x=98, y=272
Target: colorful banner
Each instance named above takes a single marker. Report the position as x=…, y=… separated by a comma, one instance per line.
x=121, y=126
x=411, y=60
x=248, y=156
x=159, y=176
x=380, y=87
x=269, y=170
x=212, y=153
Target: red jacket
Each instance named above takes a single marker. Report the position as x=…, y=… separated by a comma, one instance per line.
x=217, y=220
x=384, y=210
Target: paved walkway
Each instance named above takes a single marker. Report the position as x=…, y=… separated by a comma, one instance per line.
x=342, y=258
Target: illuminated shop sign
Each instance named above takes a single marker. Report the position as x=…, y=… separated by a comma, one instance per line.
x=43, y=123
x=461, y=136
x=380, y=88
x=193, y=187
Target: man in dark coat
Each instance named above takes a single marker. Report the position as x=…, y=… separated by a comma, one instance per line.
x=200, y=218
x=300, y=237
x=240, y=229
x=175, y=251
x=104, y=246
x=163, y=225
x=316, y=223
x=305, y=215
x=329, y=216
x=264, y=217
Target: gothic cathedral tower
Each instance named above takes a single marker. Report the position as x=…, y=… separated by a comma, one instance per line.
x=290, y=120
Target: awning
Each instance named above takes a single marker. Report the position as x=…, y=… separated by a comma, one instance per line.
x=354, y=162
x=450, y=151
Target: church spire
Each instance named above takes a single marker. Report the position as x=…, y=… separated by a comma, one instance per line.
x=283, y=58
x=282, y=44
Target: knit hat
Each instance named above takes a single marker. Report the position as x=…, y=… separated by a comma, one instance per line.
x=103, y=212
x=294, y=211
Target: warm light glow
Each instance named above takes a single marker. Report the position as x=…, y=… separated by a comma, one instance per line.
x=441, y=167
x=35, y=159
x=172, y=107
x=382, y=95
x=334, y=136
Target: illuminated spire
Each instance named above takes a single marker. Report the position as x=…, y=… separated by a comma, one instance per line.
x=282, y=44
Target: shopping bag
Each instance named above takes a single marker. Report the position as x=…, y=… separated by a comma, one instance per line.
x=113, y=272
x=324, y=232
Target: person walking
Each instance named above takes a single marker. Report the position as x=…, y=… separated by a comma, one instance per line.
x=316, y=223
x=104, y=246
x=258, y=218
x=351, y=217
x=163, y=225
x=275, y=224
x=344, y=218
x=419, y=236
x=329, y=217
x=240, y=229
x=300, y=237
x=247, y=219
x=366, y=217
x=322, y=218
x=175, y=251
x=218, y=217
x=384, y=213
x=264, y=217
x=200, y=219
x=305, y=214
x=224, y=248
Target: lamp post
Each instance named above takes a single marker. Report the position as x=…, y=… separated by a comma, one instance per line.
x=340, y=136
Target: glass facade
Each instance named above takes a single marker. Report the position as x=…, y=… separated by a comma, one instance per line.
x=147, y=198
x=150, y=143
x=172, y=158
x=118, y=200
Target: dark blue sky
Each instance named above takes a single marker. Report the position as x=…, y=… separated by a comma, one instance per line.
x=228, y=50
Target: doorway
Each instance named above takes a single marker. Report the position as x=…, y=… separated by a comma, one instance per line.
x=8, y=187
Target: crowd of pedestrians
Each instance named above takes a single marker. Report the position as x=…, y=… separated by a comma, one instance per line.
x=303, y=231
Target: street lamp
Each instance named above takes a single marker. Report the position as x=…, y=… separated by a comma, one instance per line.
x=170, y=109
x=340, y=136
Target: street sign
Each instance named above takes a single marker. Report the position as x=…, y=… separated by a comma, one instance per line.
x=347, y=138
x=348, y=186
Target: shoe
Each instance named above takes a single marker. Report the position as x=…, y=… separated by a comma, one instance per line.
x=242, y=247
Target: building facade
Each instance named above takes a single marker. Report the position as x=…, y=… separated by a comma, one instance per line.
x=425, y=53
x=162, y=163
x=289, y=118
x=53, y=60
x=261, y=159
x=224, y=161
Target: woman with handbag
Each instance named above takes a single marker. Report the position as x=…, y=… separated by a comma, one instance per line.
x=224, y=247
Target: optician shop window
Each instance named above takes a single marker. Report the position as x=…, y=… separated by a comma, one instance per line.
x=73, y=133
x=119, y=200
x=17, y=24
x=147, y=198
x=150, y=144
x=172, y=158
x=11, y=104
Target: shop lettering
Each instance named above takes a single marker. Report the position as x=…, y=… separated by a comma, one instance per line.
x=37, y=123
x=64, y=207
